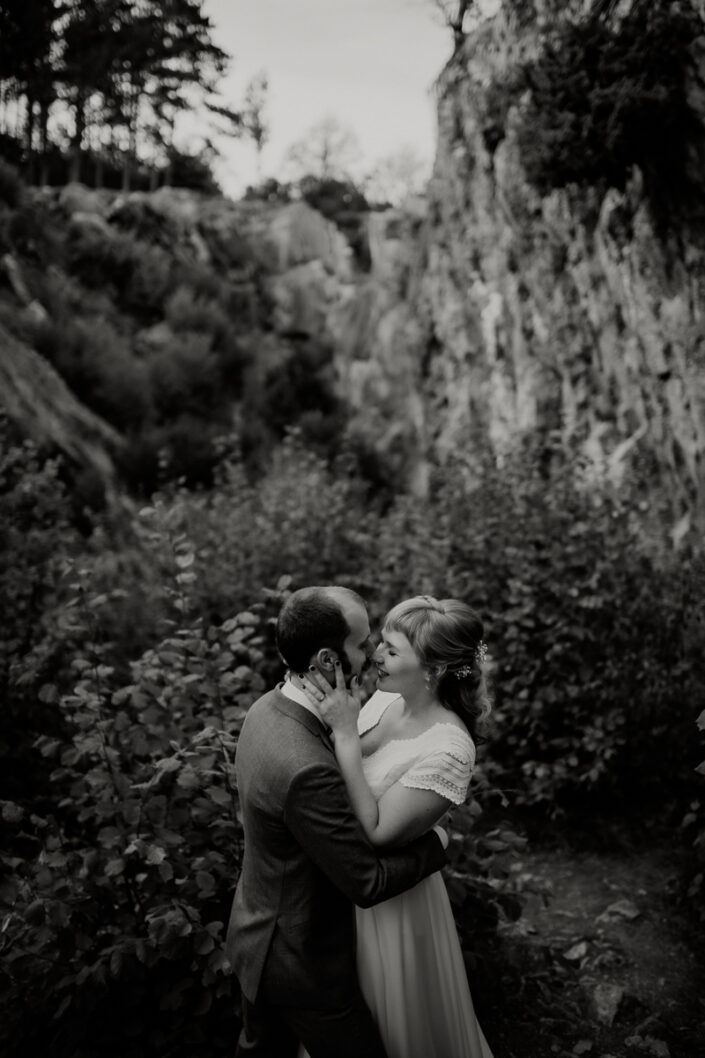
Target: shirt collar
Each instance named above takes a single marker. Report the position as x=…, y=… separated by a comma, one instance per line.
x=295, y=694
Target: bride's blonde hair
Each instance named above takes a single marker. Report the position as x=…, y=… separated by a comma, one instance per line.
x=446, y=635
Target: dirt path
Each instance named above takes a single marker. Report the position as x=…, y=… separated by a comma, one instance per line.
x=606, y=963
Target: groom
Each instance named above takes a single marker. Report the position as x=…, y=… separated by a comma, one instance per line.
x=291, y=938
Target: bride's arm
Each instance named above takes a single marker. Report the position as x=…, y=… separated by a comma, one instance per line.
x=402, y=813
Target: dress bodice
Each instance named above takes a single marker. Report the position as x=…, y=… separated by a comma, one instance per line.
x=441, y=758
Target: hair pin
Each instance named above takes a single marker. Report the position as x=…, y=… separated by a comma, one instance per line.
x=479, y=658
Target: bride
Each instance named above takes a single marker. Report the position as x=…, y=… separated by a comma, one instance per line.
x=407, y=757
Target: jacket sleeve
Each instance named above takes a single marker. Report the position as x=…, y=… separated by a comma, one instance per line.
x=318, y=814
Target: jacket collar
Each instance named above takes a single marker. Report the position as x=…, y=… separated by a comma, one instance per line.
x=302, y=715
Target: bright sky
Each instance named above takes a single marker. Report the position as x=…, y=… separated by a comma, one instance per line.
x=369, y=63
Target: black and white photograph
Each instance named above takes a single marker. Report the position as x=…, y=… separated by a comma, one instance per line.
x=352, y=528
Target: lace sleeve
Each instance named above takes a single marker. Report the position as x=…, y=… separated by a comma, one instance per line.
x=446, y=770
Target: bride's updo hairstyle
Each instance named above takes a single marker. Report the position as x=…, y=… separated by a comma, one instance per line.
x=446, y=636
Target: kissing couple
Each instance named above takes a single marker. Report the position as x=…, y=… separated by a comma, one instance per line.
x=341, y=933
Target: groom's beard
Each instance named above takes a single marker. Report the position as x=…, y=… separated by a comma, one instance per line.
x=347, y=670
x=348, y=673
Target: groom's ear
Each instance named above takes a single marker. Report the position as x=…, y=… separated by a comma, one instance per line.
x=326, y=659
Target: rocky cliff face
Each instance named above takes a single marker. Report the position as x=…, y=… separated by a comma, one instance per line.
x=501, y=313
x=37, y=398
x=489, y=312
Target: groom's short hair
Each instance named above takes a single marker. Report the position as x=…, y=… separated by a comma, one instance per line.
x=311, y=619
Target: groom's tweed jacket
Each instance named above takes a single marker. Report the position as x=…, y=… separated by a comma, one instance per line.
x=291, y=937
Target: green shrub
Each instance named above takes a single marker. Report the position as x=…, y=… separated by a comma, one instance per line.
x=151, y=226
x=11, y=186
x=248, y=535
x=32, y=233
x=119, y=870
x=188, y=311
x=693, y=825
x=35, y=539
x=115, y=918
x=140, y=274
x=150, y=282
x=292, y=390
x=116, y=891
x=599, y=92
x=98, y=364
x=192, y=170
x=114, y=913
x=100, y=260
x=587, y=617
x=185, y=376
x=588, y=625
x=344, y=204
x=186, y=449
x=203, y=280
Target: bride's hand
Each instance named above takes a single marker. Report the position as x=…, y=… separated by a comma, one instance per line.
x=337, y=706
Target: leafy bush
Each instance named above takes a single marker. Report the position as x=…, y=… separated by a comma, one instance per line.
x=590, y=627
x=592, y=624
x=189, y=311
x=117, y=886
x=153, y=227
x=599, y=92
x=269, y=190
x=150, y=281
x=128, y=881
x=35, y=539
x=98, y=364
x=247, y=535
x=114, y=912
x=192, y=170
x=185, y=376
x=343, y=203
x=11, y=187
x=292, y=390
x=693, y=824
x=31, y=233
x=100, y=260
x=141, y=274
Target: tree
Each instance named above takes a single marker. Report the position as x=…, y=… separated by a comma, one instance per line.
x=127, y=68
x=28, y=40
x=92, y=41
x=453, y=13
x=144, y=60
x=168, y=54
x=402, y=173
x=253, y=115
x=328, y=151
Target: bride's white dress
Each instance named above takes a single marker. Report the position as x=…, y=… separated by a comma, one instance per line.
x=410, y=963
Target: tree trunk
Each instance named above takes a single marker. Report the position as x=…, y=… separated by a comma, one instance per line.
x=131, y=154
x=126, y=171
x=457, y=23
x=44, y=142
x=77, y=141
x=29, y=139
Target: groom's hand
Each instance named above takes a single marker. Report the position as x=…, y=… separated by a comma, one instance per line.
x=337, y=706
